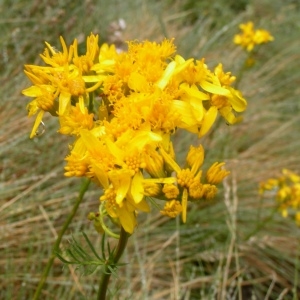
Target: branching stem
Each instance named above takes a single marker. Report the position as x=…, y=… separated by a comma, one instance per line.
x=107, y=272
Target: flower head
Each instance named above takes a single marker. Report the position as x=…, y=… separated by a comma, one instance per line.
x=122, y=110
x=287, y=191
x=250, y=37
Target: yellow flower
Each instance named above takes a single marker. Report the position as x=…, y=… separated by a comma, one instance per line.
x=225, y=78
x=125, y=212
x=251, y=37
x=75, y=120
x=123, y=108
x=270, y=184
x=262, y=36
x=189, y=179
x=85, y=62
x=78, y=161
x=44, y=101
x=171, y=191
x=154, y=163
x=120, y=162
x=101, y=159
x=195, y=158
x=151, y=189
x=128, y=153
x=295, y=178
x=106, y=61
x=194, y=117
x=56, y=58
x=147, y=58
x=287, y=189
x=231, y=103
x=215, y=174
x=172, y=209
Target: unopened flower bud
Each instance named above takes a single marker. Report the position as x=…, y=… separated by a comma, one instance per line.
x=195, y=158
x=154, y=164
x=215, y=174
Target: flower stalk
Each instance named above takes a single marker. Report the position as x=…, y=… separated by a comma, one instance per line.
x=103, y=285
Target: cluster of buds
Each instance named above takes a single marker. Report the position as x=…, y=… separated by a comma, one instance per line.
x=122, y=109
x=287, y=189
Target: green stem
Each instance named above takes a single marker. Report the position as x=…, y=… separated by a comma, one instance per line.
x=106, y=272
x=240, y=74
x=243, y=68
x=84, y=188
x=91, y=102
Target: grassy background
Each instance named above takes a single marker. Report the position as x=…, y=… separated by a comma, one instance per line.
x=235, y=248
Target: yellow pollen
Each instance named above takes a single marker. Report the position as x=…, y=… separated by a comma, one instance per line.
x=77, y=166
x=110, y=198
x=133, y=163
x=76, y=86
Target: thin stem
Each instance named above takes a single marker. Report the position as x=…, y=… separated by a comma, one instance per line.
x=83, y=189
x=244, y=67
x=107, y=272
x=91, y=102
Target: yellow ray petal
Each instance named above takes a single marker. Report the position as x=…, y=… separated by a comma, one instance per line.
x=137, y=188
x=208, y=120
x=37, y=123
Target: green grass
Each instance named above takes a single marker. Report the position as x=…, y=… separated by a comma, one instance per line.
x=233, y=248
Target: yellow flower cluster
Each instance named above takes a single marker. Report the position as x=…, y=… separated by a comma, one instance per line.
x=251, y=37
x=122, y=109
x=287, y=189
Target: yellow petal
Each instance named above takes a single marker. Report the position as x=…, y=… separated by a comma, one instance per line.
x=101, y=176
x=127, y=219
x=169, y=160
x=64, y=103
x=208, y=120
x=34, y=79
x=237, y=101
x=227, y=113
x=168, y=73
x=37, y=123
x=187, y=118
x=115, y=151
x=137, y=188
x=121, y=180
x=195, y=158
x=214, y=89
x=193, y=91
x=32, y=108
x=81, y=104
x=94, y=78
x=32, y=91
x=90, y=141
x=184, y=204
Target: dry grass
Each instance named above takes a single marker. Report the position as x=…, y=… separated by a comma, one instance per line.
x=231, y=249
